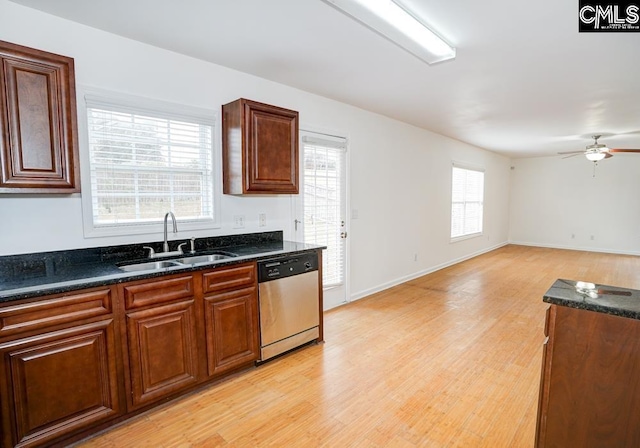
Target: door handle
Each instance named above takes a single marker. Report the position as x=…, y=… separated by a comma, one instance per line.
x=296, y=222
x=343, y=235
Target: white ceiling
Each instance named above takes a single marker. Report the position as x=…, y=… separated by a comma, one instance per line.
x=524, y=82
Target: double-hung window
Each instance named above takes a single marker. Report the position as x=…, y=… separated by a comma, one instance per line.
x=467, y=201
x=147, y=158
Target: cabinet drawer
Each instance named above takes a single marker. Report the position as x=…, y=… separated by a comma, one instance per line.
x=15, y=319
x=159, y=291
x=232, y=277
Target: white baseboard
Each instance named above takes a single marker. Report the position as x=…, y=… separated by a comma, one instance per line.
x=390, y=284
x=579, y=248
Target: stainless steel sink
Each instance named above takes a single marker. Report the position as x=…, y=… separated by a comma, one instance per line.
x=203, y=259
x=184, y=261
x=150, y=266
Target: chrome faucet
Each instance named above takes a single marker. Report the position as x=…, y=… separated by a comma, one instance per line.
x=165, y=248
x=175, y=229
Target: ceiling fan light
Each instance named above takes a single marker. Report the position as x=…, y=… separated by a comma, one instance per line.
x=595, y=156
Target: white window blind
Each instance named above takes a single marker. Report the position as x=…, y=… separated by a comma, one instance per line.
x=467, y=196
x=146, y=162
x=324, y=164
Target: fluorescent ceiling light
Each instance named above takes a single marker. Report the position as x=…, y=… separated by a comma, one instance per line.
x=396, y=24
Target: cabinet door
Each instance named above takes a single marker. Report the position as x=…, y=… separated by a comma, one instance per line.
x=272, y=149
x=260, y=148
x=590, y=381
x=231, y=320
x=163, y=356
x=57, y=383
x=38, y=148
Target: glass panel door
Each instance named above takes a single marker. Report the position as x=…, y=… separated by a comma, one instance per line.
x=320, y=218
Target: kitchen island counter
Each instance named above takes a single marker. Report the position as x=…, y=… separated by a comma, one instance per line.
x=590, y=379
x=613, y=300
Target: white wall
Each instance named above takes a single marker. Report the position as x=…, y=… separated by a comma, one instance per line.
x=558, y=203
x=401, y=187
x=399, y=175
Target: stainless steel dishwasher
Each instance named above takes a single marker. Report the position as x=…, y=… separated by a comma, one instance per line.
x=289, y=303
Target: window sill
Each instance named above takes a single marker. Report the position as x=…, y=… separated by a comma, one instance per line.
x=148, y=229
x=465, y=237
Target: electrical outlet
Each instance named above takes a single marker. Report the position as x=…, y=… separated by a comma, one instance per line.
x=238, y=222
x=415, y=257
x=573, y=236
x=262, y=219
x=593, y=237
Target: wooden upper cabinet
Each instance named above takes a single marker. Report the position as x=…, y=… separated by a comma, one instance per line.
x=39, y=144
x=259, y=148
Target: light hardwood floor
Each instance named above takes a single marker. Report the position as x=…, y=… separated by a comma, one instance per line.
x=451, y=359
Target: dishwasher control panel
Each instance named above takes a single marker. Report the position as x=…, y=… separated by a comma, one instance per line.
x=287, y=266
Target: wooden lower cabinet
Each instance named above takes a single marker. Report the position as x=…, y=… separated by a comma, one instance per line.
x=231, y=317
x=231, y=322
x=81, y=360
x=161, y=338
x=590, y=382
x=57, y=383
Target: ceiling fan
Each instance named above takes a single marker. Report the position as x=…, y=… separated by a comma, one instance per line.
x=598, y=151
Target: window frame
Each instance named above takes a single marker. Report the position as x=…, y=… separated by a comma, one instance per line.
x=159, y=108
x=467, y=167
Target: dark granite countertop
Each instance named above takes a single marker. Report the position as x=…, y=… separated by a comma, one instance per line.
x=25, y=276
x=593, y=297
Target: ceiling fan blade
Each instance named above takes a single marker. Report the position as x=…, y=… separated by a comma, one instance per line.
x=571, y=152
x=573, y=155
x=607, y=155
x=623, y=150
